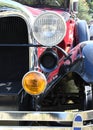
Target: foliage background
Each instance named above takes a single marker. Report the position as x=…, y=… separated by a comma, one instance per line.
x=85, y=9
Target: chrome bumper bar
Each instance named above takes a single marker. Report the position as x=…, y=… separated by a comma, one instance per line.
x=78, y=120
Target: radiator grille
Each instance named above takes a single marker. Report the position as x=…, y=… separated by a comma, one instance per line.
x=14, y=61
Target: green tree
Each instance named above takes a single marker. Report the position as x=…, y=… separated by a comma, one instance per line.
x=84, y=10
x=90, y=3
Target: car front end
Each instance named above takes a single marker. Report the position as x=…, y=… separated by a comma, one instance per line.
x=44, y=80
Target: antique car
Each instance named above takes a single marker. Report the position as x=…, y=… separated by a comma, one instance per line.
x=46, y=61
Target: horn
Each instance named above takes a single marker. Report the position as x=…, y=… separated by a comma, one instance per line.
x=48, y=60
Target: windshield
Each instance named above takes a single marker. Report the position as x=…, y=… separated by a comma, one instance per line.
x=46, y=3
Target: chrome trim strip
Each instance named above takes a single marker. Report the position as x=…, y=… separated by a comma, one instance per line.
x=90, y=127
x=35, y=116
x=44, y=116
x=42, y=128
x=76, y=119
x=34, y=128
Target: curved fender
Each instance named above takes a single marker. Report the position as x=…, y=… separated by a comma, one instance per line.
x=87, y=52
x=82, y=57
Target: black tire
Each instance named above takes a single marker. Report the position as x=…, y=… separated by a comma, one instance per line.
x=81, y=32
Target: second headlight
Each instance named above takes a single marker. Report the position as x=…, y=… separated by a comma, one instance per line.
x=49, y=29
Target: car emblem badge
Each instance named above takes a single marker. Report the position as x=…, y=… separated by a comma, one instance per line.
x=77, y=122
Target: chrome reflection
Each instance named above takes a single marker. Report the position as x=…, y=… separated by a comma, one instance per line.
x=44, y=116
x=41, y=128
x=34, y=128
x=77, y=119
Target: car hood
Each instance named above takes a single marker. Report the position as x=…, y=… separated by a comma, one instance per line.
x=37, y=11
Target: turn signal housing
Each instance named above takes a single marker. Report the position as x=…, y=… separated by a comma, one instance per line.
x=34, y=82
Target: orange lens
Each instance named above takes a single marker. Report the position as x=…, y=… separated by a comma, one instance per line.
x=34, y=82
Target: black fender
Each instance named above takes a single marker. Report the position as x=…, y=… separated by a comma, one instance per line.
x=83, y=62
x=81, y=31
x=87, y=52
x=81, y=66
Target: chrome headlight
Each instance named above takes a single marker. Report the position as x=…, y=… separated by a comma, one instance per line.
x=49, y=29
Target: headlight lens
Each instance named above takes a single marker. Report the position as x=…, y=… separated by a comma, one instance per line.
x=49, y=29
x=34, y=82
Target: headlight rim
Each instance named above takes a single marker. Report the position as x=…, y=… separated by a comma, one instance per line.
x=62, y=34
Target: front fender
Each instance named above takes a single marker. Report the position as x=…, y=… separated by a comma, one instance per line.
x=82, y=60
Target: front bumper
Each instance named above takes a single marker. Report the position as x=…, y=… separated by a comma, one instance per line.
x=78, y=120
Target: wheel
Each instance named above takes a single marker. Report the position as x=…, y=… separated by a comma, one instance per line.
x=81, y=32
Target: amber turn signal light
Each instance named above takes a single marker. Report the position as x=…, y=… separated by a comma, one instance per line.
x=34, y=82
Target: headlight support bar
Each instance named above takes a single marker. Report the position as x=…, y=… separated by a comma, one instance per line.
x=20, y=45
